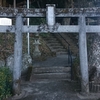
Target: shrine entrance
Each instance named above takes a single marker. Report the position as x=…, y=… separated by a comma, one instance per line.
x=50, y=13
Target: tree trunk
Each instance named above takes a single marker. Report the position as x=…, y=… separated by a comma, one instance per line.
x=66, y=21
x=1, y=3
x=4, y=3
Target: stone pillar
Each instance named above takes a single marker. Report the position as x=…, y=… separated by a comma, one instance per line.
x=50, y=16
x=83, y=55
x=17, y=55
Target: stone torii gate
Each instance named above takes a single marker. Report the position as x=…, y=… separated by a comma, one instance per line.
x=50, y=13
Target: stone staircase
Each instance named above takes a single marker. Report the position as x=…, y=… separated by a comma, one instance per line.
x=58, y=43
x=55, y=45
x=51, y=73
x=70, y=39
x=54, y=68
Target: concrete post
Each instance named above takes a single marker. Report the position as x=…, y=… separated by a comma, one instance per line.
x=17, y=55
x=83, y=55
x=50, y=16
x=14, y=3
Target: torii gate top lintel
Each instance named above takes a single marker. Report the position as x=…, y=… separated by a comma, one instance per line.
x=41, y=12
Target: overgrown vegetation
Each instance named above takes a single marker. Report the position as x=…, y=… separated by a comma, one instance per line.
x=7, y=45
x=5, y=83
x=76, y=69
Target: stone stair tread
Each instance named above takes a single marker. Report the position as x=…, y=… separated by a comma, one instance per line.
x=50, y=38
x=60, y=53
x=59, y=49
x=57, y=46
x=52, y=73
x=60, y=73
x=51, y=76
x=56, y=71
x=52, y=41
x=50, y=45
x=49, y=80
x=51, y=66
x=51, y=70
x=54, y=44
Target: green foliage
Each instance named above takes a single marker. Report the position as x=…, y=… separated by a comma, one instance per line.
x=5, y=82
x=45, y=34
x=37, y=21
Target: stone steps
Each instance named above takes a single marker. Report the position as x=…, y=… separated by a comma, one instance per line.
x=52, y=41
x=59, y=50
x=61, y=53
x=50, y=38
x=52, y=73
x=57, y=47
x=54, y=45
x=51, y=69
x=69, y=39
x=65, y=40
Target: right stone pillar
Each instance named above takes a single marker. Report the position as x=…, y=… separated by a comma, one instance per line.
x=83, y=55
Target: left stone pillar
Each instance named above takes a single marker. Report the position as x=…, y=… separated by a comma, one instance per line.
x=17, y=55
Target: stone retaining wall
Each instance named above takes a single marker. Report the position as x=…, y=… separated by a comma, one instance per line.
x=94, y=87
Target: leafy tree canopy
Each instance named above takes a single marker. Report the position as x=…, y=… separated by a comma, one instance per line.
x=59, y=3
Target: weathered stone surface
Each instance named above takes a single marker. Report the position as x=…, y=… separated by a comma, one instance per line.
x=10, y=62
x=94, y=55
x=94, y=50
x=2, y=63
x=26, y=62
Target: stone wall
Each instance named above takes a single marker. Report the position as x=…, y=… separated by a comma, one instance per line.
x=26, y=62
x=94, y=56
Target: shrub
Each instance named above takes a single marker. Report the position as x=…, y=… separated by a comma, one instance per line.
x=5, y=82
